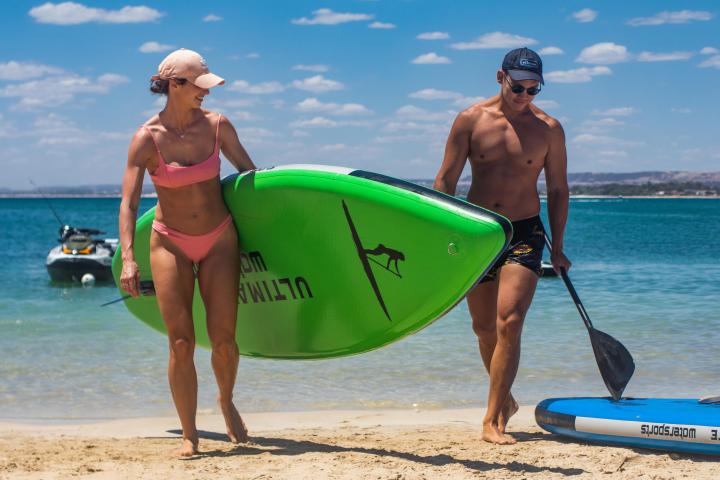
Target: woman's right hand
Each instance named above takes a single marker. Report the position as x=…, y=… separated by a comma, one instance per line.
x=130, y=278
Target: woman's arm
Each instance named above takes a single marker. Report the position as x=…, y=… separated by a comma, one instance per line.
x=140, y=150
x=232, y=148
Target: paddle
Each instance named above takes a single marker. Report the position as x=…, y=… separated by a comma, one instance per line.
x=614, y=361
x=147, y=288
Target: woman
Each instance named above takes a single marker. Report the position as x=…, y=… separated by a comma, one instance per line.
x=192, y=232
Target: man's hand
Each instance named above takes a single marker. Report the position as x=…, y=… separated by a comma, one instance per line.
x=559, y=261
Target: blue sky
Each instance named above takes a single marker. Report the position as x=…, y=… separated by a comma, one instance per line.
x=365, y=84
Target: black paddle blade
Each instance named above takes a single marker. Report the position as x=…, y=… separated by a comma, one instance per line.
x=614, y=361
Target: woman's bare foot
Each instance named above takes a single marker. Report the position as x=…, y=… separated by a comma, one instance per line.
x=236, y=430
x=188, y=449
x=509, y=409
x=492, y=434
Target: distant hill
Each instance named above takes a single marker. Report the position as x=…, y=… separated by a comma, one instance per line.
x=582, y=183
x=710, y=178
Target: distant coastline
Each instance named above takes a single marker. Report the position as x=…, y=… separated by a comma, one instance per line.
x=670, y=184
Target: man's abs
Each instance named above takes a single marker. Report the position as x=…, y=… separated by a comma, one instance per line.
x=514, y=197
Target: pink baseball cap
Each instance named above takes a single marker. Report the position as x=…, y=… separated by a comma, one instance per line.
x=189, y=65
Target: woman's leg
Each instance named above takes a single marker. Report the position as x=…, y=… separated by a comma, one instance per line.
x=174, y=281
x=218, y=276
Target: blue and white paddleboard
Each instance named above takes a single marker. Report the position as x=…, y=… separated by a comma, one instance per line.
x=676, y=424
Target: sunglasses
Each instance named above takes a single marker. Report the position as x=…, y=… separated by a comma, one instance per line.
x=518, y=89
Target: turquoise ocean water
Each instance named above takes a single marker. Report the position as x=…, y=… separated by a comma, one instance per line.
x=648, y=271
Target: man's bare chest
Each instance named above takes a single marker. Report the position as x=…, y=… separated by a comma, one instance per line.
x=508, y=143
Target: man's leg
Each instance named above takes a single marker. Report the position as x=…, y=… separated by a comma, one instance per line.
x=482, y=303
x=516, y=287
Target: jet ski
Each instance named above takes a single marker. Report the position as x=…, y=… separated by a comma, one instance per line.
x=548, y=270
x=79, y=254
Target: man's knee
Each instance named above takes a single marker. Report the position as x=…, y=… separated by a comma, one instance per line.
x=509, y=326
x=484, y=326
x=182, y=348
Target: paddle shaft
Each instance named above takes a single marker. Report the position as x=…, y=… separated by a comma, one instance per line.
x=571, y=289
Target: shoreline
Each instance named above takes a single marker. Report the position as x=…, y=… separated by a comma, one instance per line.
x=154, y=195
x=388, y=444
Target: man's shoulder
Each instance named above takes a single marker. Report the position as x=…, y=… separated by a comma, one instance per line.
x=474, y=113
x=552, y=122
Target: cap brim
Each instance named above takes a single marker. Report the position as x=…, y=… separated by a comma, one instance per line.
x=525, y=75
x=208, y=80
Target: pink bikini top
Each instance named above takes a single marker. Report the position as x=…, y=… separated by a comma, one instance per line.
x=174, y=176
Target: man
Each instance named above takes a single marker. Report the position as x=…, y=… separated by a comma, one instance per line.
x=509, y=141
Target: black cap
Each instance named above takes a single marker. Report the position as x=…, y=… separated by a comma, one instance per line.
x=523, y=64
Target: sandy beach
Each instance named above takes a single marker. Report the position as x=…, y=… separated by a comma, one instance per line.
x=377, y=444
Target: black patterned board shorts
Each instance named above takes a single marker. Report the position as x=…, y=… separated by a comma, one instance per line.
x=526, y=248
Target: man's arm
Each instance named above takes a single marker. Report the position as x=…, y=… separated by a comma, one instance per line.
x=456, y=153
x=558, y=193
x=232, y=148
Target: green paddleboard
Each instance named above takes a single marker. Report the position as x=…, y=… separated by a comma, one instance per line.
x=338, y=261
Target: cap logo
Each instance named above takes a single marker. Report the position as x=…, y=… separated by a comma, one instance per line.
x=526, y=62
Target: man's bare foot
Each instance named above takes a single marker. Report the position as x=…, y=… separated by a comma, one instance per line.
x=188, y=449
x=236, y=430
x=492, y=434
x=509, y=409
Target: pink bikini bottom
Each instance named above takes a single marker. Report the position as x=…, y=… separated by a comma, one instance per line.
x=195, y=247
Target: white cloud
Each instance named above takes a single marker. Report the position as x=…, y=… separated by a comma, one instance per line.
x=433, y=94
x=604, y=53
x=25, y=70
x=612, y=153
x=595, y=140
x=546, y=104
x=431, y=58
x=311, y=68
x=709, y=51
x=662, y=18
x=263, y=88
x=155, y=47
x=335, y=147
x=53, y=129
x=253, y=56
x=317, y=84
x=254, y=132
x=409, y=125
x=712, y=62
x=58, y=90
x=616, y=112
x=415, y=113
x=465, y=102
x=382, y=26
x=680, y=110
x=585, y=15
x=314, y=105
x=602, y=124
x=242, y=116
x=71, y=13
x=433, y=36
x=551, y=51
x=495, y=40
x=300, y=133
x=211, y=18
x=314, y=122
x=325, y=16
x=663, y=57
x=579, y=75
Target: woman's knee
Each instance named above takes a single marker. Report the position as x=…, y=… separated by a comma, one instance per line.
x=182, y=347
x=225, y=348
